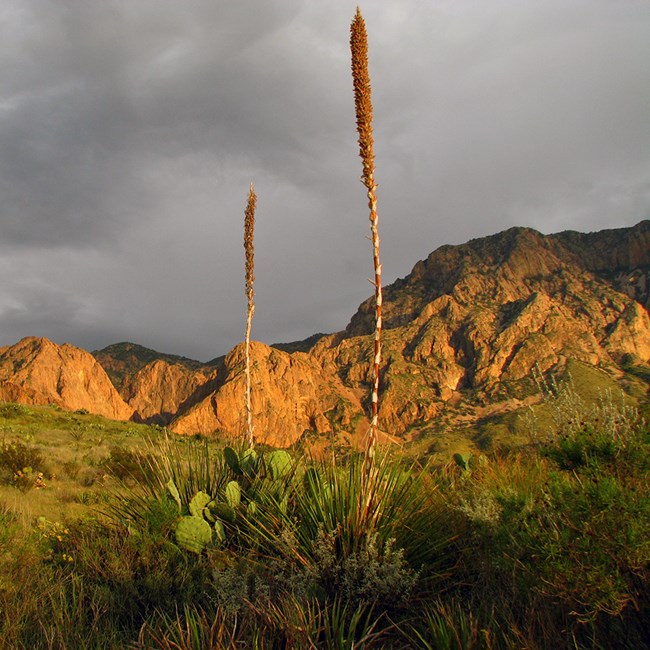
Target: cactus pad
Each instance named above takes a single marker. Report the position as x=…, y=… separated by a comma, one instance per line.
x=279, y=463
x=224, y=512
x=219, y=532
x=173, y=490
x=193, y=534
x=233, y=494
x=198, y=502
x=462, y=460
x=249, y=462
x=232, y=459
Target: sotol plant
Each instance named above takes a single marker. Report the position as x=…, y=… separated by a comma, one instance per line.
x=249, y=227
x=363, y=107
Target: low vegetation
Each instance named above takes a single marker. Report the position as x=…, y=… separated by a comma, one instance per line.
x=132, y=538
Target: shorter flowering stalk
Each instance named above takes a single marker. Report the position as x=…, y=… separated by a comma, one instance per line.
x=249, y=227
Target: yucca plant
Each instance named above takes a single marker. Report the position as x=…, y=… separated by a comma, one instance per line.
x=363, y=107
x=402, y=523
x=190, y=629
x=249, y=227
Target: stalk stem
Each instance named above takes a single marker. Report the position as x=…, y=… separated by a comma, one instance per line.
x=363, y=107
x=249, y=227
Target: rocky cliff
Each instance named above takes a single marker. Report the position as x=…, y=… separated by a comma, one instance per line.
x=160, y=390
x=470, y=321
x=37, y=371
x=290, y=394
x=123, y=360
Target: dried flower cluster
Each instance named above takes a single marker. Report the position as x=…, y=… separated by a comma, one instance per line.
x=362, y=97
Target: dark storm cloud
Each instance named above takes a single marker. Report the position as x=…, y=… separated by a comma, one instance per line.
x=129, y=132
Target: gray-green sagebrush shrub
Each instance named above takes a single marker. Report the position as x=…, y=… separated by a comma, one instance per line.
x=376, y=572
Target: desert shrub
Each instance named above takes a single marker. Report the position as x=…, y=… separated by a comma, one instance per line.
x=583, y=431
x=10, y=410
x=373, y=573
x=87, y=477
x=564, y=535
x=127, y=465
x=22, y=465
x=15, y=456
x=593, y=524
x=592, y=540
x=77, y=431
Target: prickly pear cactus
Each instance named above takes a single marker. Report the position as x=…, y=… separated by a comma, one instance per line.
x=232, y=459
x=198, y=503
x=173, y=490
x=222, y=511
x=233, y=494
x=219, y=532
x=193, y=534
x=279, y=463
x=249, y=462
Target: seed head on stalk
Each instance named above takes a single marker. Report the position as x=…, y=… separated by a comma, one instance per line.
x=249, y=227
x=363, y=107
x=362, y=97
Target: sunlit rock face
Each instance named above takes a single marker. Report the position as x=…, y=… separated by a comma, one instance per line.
x=290, y=394
x=38, y=371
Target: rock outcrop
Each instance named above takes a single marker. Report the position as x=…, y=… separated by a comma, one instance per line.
x=123, y=360
x=160, y=390
x=38, y=371
x=289, y=394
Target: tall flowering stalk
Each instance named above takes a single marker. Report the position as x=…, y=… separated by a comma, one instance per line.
x=249, y=227
x=363, y=106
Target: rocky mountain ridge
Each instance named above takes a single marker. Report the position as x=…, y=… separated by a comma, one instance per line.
x=123, y=360
x=462, y=333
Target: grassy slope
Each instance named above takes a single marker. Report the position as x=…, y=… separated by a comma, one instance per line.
x=76, y=446
x=75, y=451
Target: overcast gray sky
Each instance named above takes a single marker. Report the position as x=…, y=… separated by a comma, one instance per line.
x=130, y=130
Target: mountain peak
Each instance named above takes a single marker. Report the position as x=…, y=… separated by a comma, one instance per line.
x=37, y=371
